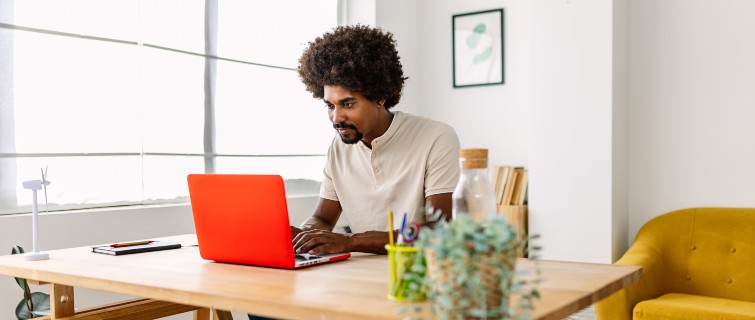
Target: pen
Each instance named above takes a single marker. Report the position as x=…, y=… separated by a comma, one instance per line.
x=401, y=231
x=128, y=244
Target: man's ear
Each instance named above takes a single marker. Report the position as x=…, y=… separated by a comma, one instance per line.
x=381, y=103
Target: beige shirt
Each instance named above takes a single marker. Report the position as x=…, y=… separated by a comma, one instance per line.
x=417, y=157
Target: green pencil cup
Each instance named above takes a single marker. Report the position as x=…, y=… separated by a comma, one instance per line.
x=404, y=279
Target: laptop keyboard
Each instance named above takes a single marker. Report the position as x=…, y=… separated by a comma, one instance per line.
x=305, y=256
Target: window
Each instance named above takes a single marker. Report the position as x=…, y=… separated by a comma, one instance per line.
x=122, y=99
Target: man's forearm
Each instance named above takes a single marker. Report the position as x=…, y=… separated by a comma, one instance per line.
x=315, y=223
x=370, y=242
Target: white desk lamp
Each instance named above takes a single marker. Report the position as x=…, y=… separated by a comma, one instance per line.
x=34, y=186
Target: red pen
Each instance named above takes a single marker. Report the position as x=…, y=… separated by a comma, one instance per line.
x=128, y=244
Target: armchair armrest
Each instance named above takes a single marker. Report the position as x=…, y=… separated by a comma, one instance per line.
x=651, y=284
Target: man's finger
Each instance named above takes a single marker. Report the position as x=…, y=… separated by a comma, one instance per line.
x=304, y=236
x=301, y=236
x=318, y=250
x=311, y=244
x=326, y=247
x=297, y=238
x=300, y=240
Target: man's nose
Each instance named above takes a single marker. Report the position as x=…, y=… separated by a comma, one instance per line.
x=337, y=115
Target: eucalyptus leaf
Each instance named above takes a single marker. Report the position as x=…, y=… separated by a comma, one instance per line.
x=21, y=282
x=16, y=250
x=41, y=302
x=33, y=304
x=27, y=298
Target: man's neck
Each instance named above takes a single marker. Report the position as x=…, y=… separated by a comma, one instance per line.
x=385, y=124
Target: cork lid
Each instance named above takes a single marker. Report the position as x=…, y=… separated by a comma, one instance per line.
x=474, y=158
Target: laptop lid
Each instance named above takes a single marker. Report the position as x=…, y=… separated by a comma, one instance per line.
x=243, y=219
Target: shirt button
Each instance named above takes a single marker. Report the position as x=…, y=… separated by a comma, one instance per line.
x=693, y=247
x=689, y=277
x=728, y=281
x=733, y=250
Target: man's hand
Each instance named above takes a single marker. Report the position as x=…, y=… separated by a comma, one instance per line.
x=320, y=241
x=294, y=232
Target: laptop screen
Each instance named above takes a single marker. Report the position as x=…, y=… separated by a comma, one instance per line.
x=242, y=219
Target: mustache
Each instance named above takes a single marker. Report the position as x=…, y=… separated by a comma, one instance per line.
x=344, y=125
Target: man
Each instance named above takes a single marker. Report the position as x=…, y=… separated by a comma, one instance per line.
x=380, y=160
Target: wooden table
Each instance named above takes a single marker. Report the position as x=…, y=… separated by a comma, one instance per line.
x=351, y=289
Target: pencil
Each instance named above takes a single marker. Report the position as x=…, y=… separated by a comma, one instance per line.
x=390, y=227
x=391, y=248
x=128, y=244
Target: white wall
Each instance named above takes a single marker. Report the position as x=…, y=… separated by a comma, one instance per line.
x=495, y=116
x=692, y=114
x=620, y=174
x=398, y=17
x=571, y=126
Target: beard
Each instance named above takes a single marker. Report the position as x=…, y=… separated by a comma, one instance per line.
x=357, y=135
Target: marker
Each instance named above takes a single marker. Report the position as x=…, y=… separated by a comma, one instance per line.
x=128, y=244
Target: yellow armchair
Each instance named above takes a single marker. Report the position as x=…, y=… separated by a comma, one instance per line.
x=697, y=263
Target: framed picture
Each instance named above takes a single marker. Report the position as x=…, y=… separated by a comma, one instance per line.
x=478, y=48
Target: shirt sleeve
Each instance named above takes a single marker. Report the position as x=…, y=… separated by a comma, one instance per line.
x=442, y=173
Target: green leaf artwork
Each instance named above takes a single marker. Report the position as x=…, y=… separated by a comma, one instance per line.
x=484, y=55
x=474, y=39
x=478, y=47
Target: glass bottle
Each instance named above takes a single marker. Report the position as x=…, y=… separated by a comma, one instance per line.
x=474, y=194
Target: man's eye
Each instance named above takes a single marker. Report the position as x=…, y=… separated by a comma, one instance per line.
x=348, y=104
x=329, y=106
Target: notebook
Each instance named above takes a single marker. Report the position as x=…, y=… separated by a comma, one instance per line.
x=243, y=219
x=152, y=246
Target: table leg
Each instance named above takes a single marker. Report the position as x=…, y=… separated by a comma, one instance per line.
x=222, y=314
x=61, y=301
x=202, y=314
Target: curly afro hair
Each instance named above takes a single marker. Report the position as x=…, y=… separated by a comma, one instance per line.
x=360, y=58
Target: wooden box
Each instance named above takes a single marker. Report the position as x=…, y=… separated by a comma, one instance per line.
x=517, y=217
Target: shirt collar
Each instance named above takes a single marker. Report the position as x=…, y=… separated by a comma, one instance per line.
x=398, y=119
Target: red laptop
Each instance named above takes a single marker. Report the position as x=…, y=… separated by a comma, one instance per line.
x=243, y=219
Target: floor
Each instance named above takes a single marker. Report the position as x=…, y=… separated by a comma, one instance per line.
x=585, y=314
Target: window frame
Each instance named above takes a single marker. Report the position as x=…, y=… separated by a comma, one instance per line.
x=209, y=154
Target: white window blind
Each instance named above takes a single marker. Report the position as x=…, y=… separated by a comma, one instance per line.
x=122, y=99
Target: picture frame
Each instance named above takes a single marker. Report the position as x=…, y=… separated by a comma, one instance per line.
x=478, y=48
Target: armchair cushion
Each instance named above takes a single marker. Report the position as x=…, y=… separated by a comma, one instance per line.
x=677, y=306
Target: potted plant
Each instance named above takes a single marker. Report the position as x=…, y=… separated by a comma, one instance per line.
x=33, y=304
x=469, y=268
